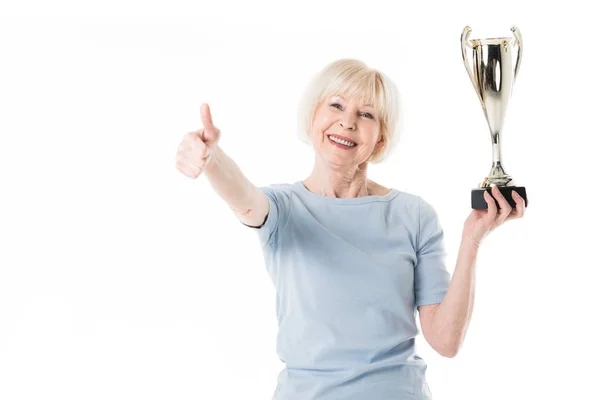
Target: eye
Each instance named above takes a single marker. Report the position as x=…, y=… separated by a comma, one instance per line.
x=368, y=115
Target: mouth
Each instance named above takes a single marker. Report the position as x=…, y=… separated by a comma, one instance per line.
x=341, y=141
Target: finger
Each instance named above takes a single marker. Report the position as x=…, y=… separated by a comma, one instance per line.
x=187, y=169
x=203, y=151
x=193, y=138
x=505, y=208
x=211, y=132
x=193, y=150
x=520, y=204
x=492, y=209
x=183, y=146
x=200, y=154
x=206, y=118
x=186, y=160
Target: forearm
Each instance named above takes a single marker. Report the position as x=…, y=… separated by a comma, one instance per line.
x=229, y=182
x=453, y=315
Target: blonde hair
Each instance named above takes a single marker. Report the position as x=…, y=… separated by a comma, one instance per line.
x=352, y=78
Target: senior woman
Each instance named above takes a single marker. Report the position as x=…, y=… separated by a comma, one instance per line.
x=351, y=260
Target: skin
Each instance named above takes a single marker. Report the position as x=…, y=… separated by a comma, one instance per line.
x=445, y=325
x=338, y=172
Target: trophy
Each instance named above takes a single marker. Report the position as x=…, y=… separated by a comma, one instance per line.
x=493, y=77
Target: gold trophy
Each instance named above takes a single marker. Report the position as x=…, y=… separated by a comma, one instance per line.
x=493, y=77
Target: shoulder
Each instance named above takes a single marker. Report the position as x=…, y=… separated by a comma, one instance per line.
x=414, y=210
x=409, y=199
x=426, y=209
x=279, y=194
x=375, y=189
x=417, y=204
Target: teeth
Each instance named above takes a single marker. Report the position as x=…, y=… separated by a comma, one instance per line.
x=344, y=142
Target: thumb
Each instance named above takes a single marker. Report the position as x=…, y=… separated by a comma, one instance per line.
x=210, y=131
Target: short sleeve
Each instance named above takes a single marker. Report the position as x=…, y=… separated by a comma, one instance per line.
x=278, y=210
x=431, y=275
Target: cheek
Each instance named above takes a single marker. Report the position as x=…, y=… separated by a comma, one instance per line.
x=325, y=120
x=321, y=124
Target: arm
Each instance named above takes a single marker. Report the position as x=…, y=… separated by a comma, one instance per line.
x=445, y=324
x=248, y=202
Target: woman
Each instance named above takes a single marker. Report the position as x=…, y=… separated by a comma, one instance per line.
x=351, y=260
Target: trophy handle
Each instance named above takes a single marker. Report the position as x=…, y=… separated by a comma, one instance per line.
x=517, y=33
x=464, y=41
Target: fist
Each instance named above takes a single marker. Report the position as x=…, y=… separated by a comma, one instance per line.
x=195, y=152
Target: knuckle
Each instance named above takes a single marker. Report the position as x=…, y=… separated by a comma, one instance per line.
x=192, y=137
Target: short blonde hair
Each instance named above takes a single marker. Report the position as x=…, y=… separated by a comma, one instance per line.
x=352, y=78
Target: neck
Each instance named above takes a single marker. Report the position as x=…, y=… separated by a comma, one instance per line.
x=339, y=181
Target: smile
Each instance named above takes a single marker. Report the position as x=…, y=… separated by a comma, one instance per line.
x=342, y=142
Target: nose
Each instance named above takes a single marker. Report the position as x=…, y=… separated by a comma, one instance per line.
x=348, y=121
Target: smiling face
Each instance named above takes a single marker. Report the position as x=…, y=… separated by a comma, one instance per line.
x=346, y=118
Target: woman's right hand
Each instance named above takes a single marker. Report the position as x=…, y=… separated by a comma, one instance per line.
x=195, y=152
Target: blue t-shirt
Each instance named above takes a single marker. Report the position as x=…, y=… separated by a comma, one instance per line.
x=349, y=274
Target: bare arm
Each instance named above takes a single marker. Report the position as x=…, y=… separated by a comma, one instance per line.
x=200, y=153
x=247, y=201
x=445, y=324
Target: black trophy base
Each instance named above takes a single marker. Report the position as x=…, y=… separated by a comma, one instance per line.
x=478, y=201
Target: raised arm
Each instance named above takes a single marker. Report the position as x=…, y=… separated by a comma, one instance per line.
x=199, y=152
x=243, y=197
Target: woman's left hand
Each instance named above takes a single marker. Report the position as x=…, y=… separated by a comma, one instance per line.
x=481, y=222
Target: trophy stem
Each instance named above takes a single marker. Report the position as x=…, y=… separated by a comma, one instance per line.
x=496, y=151
x=497, y=175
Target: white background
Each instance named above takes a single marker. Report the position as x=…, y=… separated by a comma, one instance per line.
x=121, y=278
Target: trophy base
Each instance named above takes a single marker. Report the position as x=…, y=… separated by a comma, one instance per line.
x=478, y=201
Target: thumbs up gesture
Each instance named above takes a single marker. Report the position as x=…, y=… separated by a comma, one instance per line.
x=196, y=150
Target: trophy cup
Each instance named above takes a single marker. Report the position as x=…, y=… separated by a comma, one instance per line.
x=493, y=77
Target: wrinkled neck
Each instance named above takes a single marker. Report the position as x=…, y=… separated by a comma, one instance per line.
x=339, y=181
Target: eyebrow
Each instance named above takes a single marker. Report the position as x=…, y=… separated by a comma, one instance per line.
x=365, y=105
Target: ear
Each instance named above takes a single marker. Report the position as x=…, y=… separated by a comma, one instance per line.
x=380, y=145
x=378, y=148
